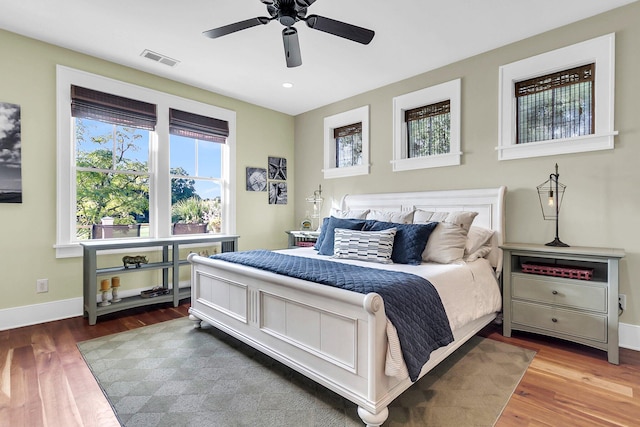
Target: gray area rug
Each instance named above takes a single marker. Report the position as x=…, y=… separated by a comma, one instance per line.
x=171, y=374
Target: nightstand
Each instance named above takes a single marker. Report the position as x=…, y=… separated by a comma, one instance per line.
x=569, y=293
x=302, y=238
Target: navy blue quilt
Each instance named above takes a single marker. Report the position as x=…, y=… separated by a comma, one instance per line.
x=411, y=302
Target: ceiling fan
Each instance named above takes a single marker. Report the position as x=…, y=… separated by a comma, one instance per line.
x=288, y=12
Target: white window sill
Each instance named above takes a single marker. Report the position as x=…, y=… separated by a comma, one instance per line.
x=557, y=146
x=441, y=160
x=346, y=171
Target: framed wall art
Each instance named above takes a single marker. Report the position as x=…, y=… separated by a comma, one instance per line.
x=277, y=193
x=278, y=168
x=10, y=154
x=256, y=179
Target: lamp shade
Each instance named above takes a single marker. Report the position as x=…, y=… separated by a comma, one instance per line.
x=550, y=198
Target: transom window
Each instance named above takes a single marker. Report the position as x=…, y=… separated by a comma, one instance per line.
x=426, y=127
x=558, y=102
x=555, y=106
x=346, y=144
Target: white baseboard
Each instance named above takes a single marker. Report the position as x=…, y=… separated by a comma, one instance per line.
x=28, y=315
x=17, y=317
x=629, y=336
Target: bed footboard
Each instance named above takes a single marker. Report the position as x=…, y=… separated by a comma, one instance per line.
x=335, y=337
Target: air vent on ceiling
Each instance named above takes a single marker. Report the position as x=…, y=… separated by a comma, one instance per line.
x=159, y=58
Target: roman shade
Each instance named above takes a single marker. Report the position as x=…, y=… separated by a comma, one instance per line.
x=192, y=125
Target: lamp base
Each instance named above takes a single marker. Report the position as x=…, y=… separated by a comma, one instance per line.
x=557, y=242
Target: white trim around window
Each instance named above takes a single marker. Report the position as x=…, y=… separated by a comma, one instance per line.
x=159, y=201
x=600, y=50
x=445, y=91
x=358, y=115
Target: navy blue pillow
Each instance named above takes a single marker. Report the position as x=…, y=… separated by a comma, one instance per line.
x=410, y=241
x=326, y=247
x=323, y=232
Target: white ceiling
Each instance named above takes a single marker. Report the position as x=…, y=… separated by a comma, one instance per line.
x=412, y=37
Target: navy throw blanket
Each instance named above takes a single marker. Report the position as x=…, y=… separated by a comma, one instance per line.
x=411, y=302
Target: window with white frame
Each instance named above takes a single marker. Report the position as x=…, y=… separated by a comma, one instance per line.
x=127, y=155
x=558, y=102
x=427, y=127
x=346, y=143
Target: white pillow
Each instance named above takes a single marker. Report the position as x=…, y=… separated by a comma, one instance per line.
x=374, y=246
x=477, y=238
x=422, y=217
x=446, y=244
x=391, y=216
x=349, y=213
x=447, y=241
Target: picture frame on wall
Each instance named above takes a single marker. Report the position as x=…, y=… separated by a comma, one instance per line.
x=278, y=168
x=256, y=179
x=10, y=153
x=277, y=193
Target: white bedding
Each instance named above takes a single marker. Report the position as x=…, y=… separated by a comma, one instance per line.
x=468, y=291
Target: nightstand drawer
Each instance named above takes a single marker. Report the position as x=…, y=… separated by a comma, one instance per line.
x=556, y=291
x=574, y=323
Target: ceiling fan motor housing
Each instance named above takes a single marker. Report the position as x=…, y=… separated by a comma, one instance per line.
x=287, y=12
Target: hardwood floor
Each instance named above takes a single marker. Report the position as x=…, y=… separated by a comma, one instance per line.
x=45, y=382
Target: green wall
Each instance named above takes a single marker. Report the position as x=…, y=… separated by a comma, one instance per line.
x=602, y=200
x=28, y=78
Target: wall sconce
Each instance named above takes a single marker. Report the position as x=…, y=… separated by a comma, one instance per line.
x=550, y=194
x=316, y=200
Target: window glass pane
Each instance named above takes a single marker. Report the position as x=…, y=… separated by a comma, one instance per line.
x=195, y=202
x=106, y=146
x=183, y=154
x=209, y=159
x=429, y=136
x=349, y=150
x=111, y=199
x=562, y=112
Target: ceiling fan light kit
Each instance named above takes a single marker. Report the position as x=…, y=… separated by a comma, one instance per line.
x=288, y=12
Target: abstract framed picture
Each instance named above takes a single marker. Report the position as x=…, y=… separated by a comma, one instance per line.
x=10, y=154
x=256, y=179
x=278, y=168
x=277, y=193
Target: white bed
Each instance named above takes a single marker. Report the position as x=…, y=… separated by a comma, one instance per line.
x=339, y=338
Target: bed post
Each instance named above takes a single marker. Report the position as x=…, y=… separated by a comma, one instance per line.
x=377, y=344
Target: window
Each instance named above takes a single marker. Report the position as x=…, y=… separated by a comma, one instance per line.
x=427, y=127
x=555, y=106
x=128, y=154
x=558, y=102
x=346, y=144
x=428, y=130
x=196, y=172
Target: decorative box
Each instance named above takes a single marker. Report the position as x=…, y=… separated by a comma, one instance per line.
x=557, y=270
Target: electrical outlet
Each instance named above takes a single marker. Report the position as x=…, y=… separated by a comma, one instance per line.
x=42, y=285
x=622, y=301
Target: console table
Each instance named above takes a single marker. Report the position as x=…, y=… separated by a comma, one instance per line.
x=90, y=272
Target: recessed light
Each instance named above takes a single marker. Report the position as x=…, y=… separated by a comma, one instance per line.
x=287, y=85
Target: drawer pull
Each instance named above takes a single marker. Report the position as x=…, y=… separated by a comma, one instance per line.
x=554, y=320
x=554, y=292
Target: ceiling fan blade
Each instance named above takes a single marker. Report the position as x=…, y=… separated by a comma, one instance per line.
x=305, y=3
x=232, y=28
x=340, y=29
x=291, y=47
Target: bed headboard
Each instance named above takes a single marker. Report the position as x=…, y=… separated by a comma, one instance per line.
x=488, y=202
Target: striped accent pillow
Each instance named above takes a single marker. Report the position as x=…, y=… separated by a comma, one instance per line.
x=374, y=246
